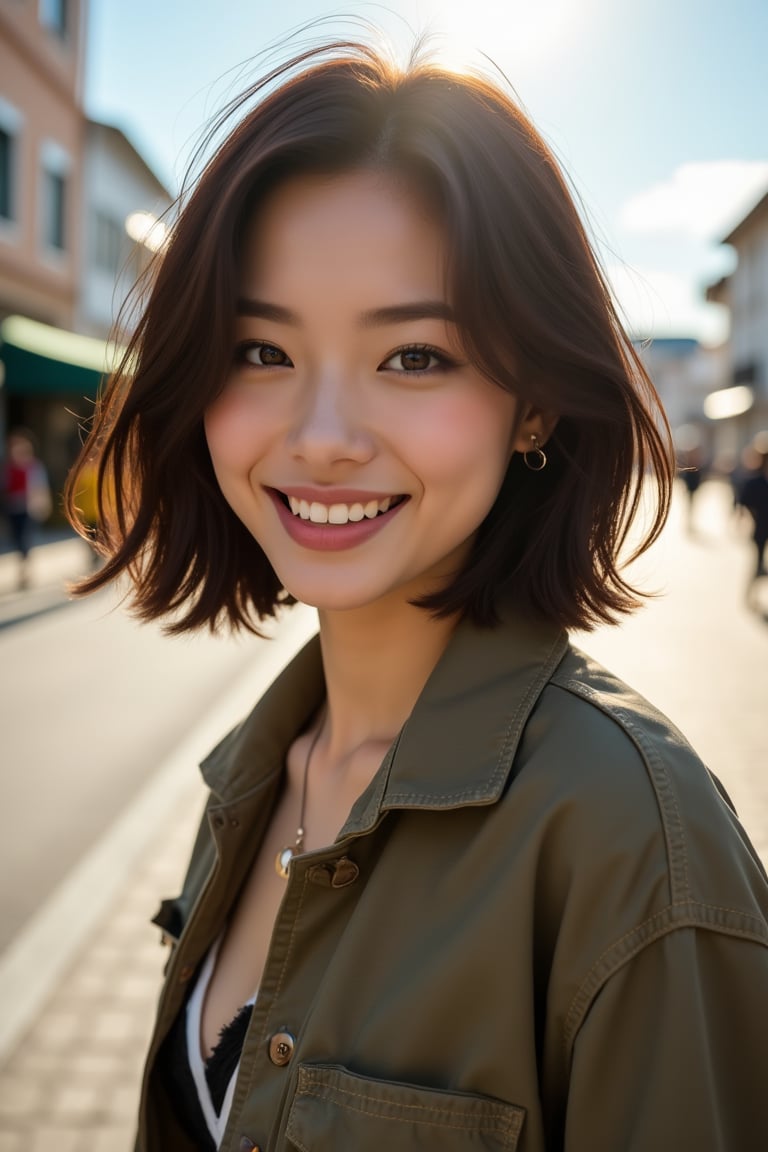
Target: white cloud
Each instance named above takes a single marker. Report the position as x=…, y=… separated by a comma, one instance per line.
x=702, y=200
x=657, y=303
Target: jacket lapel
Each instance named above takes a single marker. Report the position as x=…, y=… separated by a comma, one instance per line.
x=457, y=746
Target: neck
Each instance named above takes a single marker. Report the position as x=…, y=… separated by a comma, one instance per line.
x=376, y=661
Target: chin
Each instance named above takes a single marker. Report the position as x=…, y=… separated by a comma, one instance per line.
x=335, y=601
x=332, y=595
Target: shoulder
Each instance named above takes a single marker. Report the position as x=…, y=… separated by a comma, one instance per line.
x=622, y=734
x=637, y=843
x=596, y=736
x=634, y=807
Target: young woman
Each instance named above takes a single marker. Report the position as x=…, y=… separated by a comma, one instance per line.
x=457, y=887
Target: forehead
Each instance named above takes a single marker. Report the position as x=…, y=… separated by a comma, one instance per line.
x=363, y=229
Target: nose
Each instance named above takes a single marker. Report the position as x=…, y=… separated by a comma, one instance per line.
x=328, y=426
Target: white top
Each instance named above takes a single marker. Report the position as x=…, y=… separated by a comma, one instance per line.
x=216, y=1122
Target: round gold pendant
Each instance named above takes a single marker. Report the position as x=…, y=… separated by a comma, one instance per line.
x=282, y=860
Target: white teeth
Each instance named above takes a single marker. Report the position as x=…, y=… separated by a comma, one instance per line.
x=318, y=513
x=338, y=513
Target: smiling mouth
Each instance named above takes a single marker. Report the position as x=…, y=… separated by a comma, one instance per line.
x=318, y=513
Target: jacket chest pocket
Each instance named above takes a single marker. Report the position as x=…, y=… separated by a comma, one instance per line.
x=334, y=1109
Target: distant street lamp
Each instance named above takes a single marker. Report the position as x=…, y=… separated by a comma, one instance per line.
x=728, y=402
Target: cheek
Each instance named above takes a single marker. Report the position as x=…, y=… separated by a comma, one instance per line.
x=234, y=433
x=466, y=435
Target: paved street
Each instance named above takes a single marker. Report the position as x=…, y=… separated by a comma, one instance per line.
x=91, y=704
x=71, y=1082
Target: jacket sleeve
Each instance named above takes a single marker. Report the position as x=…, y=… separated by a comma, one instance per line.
x=673, y=1052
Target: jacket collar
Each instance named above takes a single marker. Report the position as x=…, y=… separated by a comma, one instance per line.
x=455, y=749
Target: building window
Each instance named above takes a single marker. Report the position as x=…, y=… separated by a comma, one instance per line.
x=10, y=127
x=54, y=15
x=54, y=210
x=7, y=144
x=108, y=236
x=55, y=168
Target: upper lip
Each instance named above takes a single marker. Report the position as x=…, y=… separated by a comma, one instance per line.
x=333, y=495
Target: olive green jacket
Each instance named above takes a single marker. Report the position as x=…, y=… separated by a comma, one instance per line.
x=542, y=927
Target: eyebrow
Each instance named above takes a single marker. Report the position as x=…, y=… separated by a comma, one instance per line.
x=375, y=318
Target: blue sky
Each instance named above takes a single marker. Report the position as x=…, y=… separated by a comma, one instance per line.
x=658, y=109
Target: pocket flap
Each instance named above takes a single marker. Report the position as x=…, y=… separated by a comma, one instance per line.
x=334, y=1108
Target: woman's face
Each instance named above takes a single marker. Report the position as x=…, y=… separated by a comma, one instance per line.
x=353, y=439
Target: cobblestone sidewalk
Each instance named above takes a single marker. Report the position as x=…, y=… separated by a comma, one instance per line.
x=72, y=1083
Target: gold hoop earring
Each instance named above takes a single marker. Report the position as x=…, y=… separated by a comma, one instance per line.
x=535, y=458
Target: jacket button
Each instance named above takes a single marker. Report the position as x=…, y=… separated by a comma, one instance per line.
x=345, y=872
x=186, y=973
x=247, y=1145
x=281, y=1048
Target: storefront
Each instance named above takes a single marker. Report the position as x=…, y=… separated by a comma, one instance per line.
x=49, y=381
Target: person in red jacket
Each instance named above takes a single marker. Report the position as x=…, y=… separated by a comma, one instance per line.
x=26, y=496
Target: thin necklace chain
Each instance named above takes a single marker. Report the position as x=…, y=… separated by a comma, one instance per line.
x=285, y=855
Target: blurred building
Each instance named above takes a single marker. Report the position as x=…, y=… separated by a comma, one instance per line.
x=42, y=141
x=685, y=373
x=123, y=201
x=78, y=207
x=739, y=407
x=716, y=399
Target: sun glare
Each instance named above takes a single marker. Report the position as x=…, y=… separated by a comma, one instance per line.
x=518, y=32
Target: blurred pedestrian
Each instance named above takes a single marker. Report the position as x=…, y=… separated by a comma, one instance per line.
x=748, y=465
x=691, y=470
x=26, y=495
x=754, y=497
x=457, y=886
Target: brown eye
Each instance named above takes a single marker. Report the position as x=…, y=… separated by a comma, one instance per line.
x=418, y=359
x=265, y=355
x=415, y=360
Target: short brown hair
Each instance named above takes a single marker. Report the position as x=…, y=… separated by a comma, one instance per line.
x=533, y=309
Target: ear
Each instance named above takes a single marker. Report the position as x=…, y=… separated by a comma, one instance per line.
x=538, y=422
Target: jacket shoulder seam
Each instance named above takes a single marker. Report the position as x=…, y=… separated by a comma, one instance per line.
x=675, y=917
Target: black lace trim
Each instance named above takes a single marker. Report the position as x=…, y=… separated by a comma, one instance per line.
x=176, y=1073
x=223, y=1060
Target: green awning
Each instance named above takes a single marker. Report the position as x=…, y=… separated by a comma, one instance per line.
x=44, y=361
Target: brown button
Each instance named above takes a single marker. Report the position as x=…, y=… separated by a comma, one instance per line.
x=281, y=1048
x=186, y=973
x=247, y=1145
x=218, y=820
x=345, y=872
